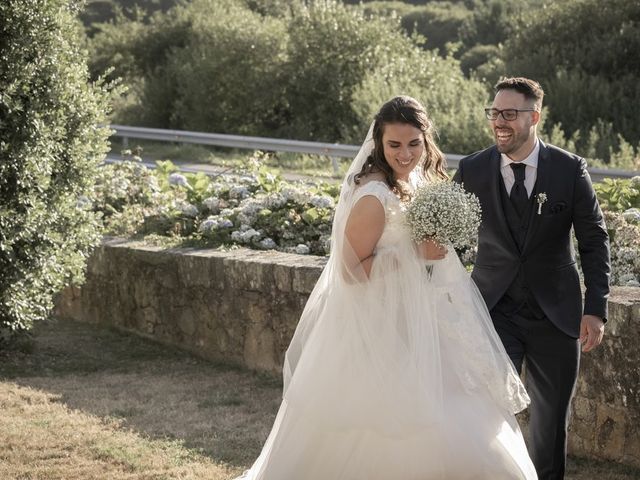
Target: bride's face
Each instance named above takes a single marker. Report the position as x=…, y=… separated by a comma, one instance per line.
x=403, y=148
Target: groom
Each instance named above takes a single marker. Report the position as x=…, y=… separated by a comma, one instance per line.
x=532, y=194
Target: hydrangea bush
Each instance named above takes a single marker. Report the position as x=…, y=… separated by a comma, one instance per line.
x=259, y=209
x=255, y=208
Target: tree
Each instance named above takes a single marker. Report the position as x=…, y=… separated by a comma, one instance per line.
x=585, y=55
x=51, y=143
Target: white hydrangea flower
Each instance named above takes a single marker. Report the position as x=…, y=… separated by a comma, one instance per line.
x=225, y=223
x=325, y=241
x=236, y=236
x=632, y=215
x=178, y=180
x=189, y=210
x=302, y=249
x=208, y=225
x=238, y=191
x=627, y=277
x=275, y=201
x=250, y=235
x=321, y=201
x=251, y=208
x=635, y=181
x=212, y=203
x=296, y=195
x=267, y=243
x=226, y=212
x=217, y=188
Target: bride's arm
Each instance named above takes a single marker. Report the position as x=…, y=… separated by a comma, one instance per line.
x=363, y=230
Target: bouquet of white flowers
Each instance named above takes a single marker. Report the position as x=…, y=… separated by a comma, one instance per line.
x=445, y=212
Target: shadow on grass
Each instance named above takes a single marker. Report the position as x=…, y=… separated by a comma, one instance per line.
x=218, y=410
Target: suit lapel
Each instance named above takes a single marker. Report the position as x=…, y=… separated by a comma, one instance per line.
x=541, y=186
x=496, y=185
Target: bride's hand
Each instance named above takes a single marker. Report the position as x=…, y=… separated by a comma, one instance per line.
x=432, y=250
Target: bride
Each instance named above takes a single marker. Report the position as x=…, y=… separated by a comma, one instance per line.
x=394, y=371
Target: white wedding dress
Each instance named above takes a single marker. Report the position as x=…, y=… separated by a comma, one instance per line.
x=398, y=375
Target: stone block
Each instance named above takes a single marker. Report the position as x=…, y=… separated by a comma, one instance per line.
x=611, y=426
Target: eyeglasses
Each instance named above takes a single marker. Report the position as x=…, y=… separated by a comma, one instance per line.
x=509, y=114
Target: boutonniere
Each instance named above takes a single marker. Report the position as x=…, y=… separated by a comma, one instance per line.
x=541, y=198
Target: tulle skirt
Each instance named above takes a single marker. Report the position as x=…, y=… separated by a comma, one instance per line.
x=400, y=376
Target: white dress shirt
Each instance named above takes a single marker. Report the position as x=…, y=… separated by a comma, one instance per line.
x=530, y=171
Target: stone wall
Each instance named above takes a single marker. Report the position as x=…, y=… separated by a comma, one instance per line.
x=242, y=307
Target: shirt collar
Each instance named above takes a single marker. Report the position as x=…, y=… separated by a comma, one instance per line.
x=531, y=160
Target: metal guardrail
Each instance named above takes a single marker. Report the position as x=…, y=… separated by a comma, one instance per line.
x=331, y=150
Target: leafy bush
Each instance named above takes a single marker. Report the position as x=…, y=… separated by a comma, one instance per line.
x=618, y=194
x=51, y=146
x=588, y=68
x=312, y=71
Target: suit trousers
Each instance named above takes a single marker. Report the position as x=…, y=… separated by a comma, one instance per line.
x=551, y=361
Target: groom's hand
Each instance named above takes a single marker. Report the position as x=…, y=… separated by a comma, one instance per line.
x=591, y=332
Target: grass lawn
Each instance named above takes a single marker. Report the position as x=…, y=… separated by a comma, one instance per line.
x=82, y=401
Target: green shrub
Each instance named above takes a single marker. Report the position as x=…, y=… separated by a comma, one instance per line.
x=585, y=54
x=51, y=146
x=229, y=77
x=619, y=194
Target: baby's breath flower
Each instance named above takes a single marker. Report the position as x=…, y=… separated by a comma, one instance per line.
x=445, y=212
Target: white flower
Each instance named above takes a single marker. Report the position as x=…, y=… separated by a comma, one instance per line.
x=267, y=243
x=217, y=188
x=541, y=198
x=225, y=223
x=211, y=203
x=321, y=201
x=302, y=249
x=209, y=224
x=296, y=195
x=251, y=208
x=632, y=215
x=275, y=201
x=178, y=180
x=226, y=212
x=635, y=181
x=626, y=278
x=188, y=210
x=238, y=191
x=445, y=212
x=247, y=236
x=325, y=241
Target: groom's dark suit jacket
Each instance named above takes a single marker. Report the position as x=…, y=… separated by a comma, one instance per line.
x=546, y=259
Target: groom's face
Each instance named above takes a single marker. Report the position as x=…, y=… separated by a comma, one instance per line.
x=515, y=138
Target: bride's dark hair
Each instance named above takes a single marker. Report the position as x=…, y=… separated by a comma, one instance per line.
x=403, y=109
